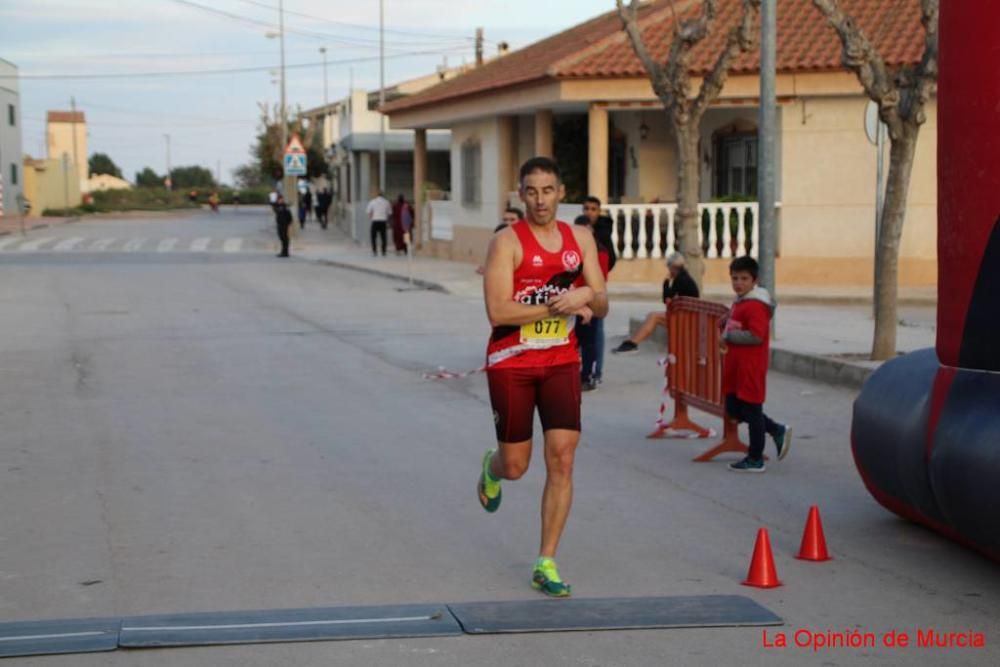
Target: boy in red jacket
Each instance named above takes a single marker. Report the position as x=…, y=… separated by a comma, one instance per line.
x=746, y=346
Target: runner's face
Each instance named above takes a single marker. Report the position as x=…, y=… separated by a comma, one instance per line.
x=541, y=193
x=592, y=211
x=509, y=218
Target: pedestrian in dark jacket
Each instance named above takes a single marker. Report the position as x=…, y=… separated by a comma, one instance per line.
x=591, y=336
x=678, y=283
x=283, y=220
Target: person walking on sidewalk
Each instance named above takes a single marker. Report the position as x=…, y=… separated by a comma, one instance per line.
x=283, y=220
x=591, y=336
x=678, y=283
x=745, y=346
x=400, y=207
x=379, y=212
x=532, y=359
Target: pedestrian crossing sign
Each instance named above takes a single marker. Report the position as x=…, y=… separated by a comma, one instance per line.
x=295, y=157
x=295, y=164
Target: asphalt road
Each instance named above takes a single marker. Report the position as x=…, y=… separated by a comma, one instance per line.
x=202, y=429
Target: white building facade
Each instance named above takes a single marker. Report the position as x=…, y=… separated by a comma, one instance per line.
x=11, y=173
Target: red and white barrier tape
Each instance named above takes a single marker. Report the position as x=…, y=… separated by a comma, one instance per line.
x=443, y=373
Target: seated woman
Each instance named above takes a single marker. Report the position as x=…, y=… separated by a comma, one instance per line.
x=678, y=283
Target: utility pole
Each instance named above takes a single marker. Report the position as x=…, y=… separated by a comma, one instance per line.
x=288, y=188
x=218, y=172
x=284, y=114
x=479, y=47
x=76, y=158
x=766, y=191
x=168, y=181
x=326, y=101
x=326, y=90
x=381, y=95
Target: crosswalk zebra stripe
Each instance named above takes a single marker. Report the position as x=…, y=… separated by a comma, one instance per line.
x=200, y=245
x=166, y=245
x=102, y=244
x=35, y=244
x=68, y=244
x=232, y=245
x=133, y=245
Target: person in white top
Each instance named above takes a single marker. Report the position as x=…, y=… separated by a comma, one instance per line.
x=379, y=212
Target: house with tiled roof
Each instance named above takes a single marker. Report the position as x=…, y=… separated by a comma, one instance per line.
x=583, y=97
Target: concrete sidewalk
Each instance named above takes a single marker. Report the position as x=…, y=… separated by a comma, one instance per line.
x=825, y=338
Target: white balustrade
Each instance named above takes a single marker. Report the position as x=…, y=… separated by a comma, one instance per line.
x=442, y=220
x=643, y=231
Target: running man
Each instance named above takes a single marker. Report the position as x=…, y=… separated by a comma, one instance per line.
x=541, y=275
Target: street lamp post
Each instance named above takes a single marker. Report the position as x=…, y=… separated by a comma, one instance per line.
x=766, y=190
x=381, y=95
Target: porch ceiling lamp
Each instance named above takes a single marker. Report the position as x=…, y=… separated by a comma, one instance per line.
x=643, y=130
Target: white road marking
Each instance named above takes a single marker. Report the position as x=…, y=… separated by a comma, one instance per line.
x=133, y=245
x=200, y=245
x=35, y=244
x=102, y=244
x=232, y=245
x=61, y=635
x=166, y=245
x=10, y=240
x=68, y=244
x=287, y=624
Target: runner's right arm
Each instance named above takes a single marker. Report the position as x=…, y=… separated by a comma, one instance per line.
x=498, y=285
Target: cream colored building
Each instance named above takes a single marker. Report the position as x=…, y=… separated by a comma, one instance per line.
x=66, y=134
x=51, y=184
x=101, y=182
x=583, y=97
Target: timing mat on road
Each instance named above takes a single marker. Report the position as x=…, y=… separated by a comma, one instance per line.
x=381, y=622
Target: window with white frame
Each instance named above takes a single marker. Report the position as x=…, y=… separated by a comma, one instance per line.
x=472, y=172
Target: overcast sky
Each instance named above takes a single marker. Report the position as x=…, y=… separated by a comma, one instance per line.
x=212, y=118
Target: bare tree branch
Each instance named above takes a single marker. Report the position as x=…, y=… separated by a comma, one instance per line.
x=740, y=40
x=862, y=58
x=925, y=83
x=630, y=21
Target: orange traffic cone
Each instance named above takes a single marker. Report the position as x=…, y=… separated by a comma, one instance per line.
x=762, y=572
x=813, y=542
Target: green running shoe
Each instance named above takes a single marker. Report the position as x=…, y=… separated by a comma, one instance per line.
x=488, y=488
x=545, y=578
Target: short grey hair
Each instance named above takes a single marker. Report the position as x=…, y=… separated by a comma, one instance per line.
x=675, y=259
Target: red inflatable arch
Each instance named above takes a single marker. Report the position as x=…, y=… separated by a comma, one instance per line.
x=926, y=430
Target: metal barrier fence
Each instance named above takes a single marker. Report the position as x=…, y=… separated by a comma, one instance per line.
x=694, y=374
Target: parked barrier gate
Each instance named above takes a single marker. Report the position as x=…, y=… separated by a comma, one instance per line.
x=694, y=374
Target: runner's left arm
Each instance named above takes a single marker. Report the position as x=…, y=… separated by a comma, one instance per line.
x=594, y=294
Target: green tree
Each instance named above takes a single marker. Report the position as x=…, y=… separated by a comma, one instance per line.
x=248, y=176
x=192, y=177
x=147, y=178
x=267, y=153
x=100, y=163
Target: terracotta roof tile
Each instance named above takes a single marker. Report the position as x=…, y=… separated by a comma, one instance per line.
x=599, y=48
x=66, y=117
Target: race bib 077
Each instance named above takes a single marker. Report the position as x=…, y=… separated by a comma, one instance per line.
x=549, y=332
